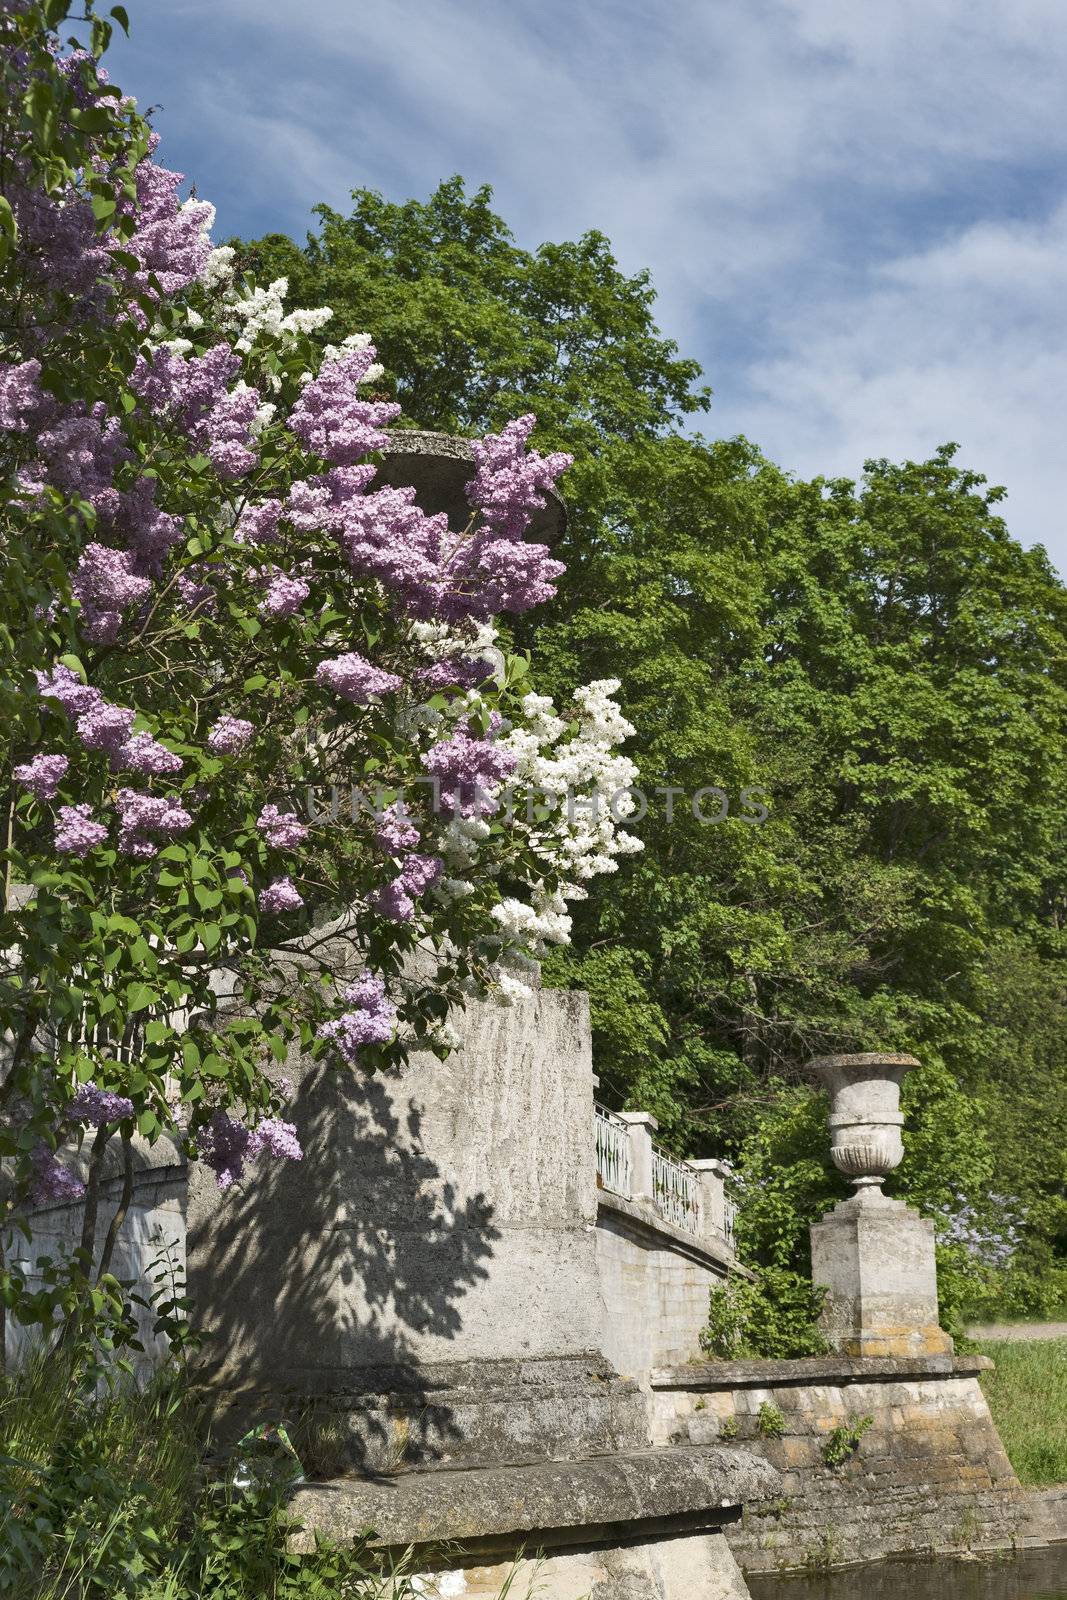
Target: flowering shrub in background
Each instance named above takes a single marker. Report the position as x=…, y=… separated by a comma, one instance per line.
x=209, y=608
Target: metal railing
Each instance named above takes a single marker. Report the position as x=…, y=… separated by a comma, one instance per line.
x=675, y=1192
x=612, y=1140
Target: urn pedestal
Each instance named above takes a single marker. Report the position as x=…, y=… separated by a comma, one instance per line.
x=874, y=1255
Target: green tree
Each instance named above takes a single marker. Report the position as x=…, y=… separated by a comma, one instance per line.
x=882, y=658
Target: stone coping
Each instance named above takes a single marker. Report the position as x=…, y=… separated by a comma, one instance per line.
x=708, y=1375
x=703, y=1248
x=558, y=1501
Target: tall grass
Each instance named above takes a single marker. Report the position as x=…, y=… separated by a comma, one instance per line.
x=103, y=1496
x=1027, y=1395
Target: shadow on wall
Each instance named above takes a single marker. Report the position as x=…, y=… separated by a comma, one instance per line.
x=322, y=1286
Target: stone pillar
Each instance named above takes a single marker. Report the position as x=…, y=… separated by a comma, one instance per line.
x=641, y=1125
x=712, y=1176
x=873, y=1254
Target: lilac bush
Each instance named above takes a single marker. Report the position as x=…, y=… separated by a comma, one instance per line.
x=210, y=609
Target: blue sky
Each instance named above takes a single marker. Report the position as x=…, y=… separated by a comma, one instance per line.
x=855, y=214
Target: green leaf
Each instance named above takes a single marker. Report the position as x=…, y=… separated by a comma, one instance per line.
x=102, y=208
x=120, y=16
x=8, y=228
x=139, y=997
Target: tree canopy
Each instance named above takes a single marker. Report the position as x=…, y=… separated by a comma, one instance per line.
x=881, y=659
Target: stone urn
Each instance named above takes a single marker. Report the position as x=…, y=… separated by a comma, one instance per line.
x=873, y=1255
x=865, y=1114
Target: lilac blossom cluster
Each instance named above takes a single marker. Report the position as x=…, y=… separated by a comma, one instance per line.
x=143, y=815
x=333, y=420
x=396, y=900
x=227, y=1145
x=97, y=1107
x=106, y=728
x=282, y=829
x=281, y=895
x=468, y=770
x=371, y=1019
x=43, y=775
x=989, y=1243
x=50, y=1181
x=229, y=735
x=355, y=679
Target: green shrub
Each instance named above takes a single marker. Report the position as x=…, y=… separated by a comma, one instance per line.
x=770, y=1421
x=844, y=1440
x=772, y=1316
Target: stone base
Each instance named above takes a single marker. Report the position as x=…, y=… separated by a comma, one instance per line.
x=875, y=1256
x=878, y=1458
x=448, y=1414
x=639, y=1525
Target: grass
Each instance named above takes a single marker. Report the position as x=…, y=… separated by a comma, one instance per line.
x=1027, y=1395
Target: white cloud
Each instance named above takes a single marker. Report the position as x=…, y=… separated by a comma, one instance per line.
x=848, y=210
x=964, y=341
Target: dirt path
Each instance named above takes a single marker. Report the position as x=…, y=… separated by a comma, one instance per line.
x=1019, y=1331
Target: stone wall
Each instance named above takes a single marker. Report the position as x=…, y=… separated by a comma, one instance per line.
x=655, y=1281
x=150, y=1247
x=929, y=1472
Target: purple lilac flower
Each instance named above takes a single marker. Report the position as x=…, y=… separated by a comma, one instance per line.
x=97, y=1106
x=50, y=1180
x=105, y=727
x=105, y=584
x=511, y=482
x=141, y=815
x=82, y=451
x=228, y=430
x=502, y=575
x=229, y=735
x=396, y=900
x=283, y=829
x=320, y=504
x=396, y=831
x=65, y=686
x=22, y=399
x=356, y=679
x=142, y=753
x=284, y=596
x=196, y=589
x=190, y=390
x=392, y=901
x=43, y=775
x=386, y=536
x=148, y=531
x=466, y=769
x=76, y=832
x=370, y=1022
x=226, y=1145
x=259, y=524
x=456, y=672
x=331, y=419
x=277, y=1138
x=281, y=895
x=171, y=240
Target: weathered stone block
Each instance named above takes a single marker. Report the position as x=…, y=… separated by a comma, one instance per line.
x=875, y=1257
